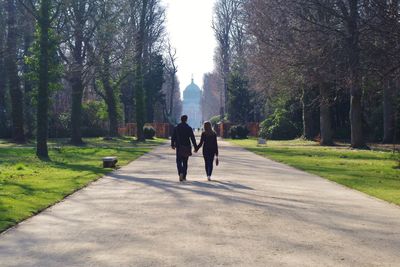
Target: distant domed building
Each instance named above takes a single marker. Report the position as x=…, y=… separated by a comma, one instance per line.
x=192, y=105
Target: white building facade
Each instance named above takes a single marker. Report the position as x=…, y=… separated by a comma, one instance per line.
x=192, y=105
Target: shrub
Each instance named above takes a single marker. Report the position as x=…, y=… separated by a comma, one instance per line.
x=93, y=131
x=215, y=120
x=94, y=119
x=149, y=132
x=278, y=126
x=59, y=125
x=238, y=132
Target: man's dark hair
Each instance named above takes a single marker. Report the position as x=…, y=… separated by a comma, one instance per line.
x=184, y=118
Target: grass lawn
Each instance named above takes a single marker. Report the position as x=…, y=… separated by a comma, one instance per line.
x=373, y=172
x=28, y=185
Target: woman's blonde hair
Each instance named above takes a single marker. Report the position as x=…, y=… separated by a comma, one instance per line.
x=208, y=128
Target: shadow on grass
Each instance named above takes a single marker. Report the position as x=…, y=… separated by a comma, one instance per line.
x=346, y=154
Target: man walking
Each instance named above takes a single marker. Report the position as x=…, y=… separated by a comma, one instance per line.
x=181, y=138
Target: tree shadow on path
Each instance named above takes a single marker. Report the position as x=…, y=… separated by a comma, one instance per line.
x=314, y=212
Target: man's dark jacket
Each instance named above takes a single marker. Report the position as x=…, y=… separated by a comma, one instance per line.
x=182, y=135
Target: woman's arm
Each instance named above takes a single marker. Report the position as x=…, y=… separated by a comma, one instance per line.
x=201, y=142
x=216, y=146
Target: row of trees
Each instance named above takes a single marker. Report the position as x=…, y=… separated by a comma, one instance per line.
x=336, y=60
x=112, y=51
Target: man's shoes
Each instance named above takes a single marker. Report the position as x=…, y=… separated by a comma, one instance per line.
x=181, y=177
x=184, y=177
x=209, y=178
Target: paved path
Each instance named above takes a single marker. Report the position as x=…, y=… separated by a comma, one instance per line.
x=257, y=213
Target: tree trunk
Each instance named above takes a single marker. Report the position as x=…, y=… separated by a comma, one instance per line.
x=139, y=102
x=357, y=137
x=77, y=87
x=29, y=29
x=356, y=112
x=76, y=111
x=3, y=117
x=17, y=112
x=325, y=116
x=150, y=103
x=223, y=98
x=172, y=95
x=139, y=90
x=310, y=124
x=389, y=111
x=110, y=97
x=43, y=90
x=113, y=118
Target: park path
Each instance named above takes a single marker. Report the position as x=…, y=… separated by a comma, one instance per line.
x=256, y=213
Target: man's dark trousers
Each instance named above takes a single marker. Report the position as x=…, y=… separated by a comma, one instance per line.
x=182, y=137
x=181, y=164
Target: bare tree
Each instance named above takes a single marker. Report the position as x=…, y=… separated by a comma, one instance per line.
x=225, y=11
x=107, y=55
x=171, y=69
x=80, y=19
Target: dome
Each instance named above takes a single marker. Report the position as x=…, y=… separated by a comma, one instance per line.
x=192, y=91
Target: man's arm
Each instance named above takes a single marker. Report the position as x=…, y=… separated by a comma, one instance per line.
x=193, y=139
x=173, y=139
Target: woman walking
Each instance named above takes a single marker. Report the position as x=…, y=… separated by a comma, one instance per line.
x=210, y=148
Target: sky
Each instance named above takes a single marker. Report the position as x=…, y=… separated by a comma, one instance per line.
x=190, y=32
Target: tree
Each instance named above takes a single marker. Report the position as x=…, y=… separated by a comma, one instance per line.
x=350, y=13
x=210, y=102
x=107, y=57
x=326, y=115
x=139, y=89
x=44, y=81
x=42, y=68
x=153, y=81
x=171, y=69
x=80, y=19
x=383, y=47
x=109, y=49
x=13, y=82
x=313, y=43
x=310, y=105
x=389, y=111
x=225, y=12
x=3, y=88
x=27, y=26
x=239, y=98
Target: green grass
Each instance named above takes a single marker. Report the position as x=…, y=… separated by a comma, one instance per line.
x=28, y=185
x=373, y=172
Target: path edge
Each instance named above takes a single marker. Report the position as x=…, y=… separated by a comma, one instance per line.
x=15, y=226
x=316, y=176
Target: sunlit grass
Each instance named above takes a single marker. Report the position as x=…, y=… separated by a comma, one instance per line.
x=372, y=172
x=89, y=142
x=28, y=185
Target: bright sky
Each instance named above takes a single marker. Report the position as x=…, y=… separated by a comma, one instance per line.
x=189, y=28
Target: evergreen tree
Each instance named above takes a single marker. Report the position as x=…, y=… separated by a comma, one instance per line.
x=238, y=98
x=153, y=81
